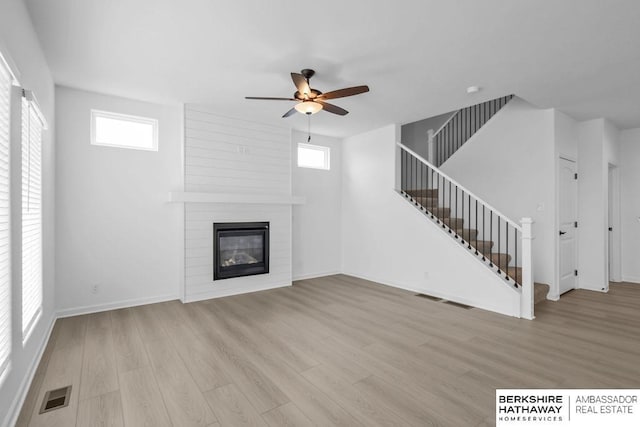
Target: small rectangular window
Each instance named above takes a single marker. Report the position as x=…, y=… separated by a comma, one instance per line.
x=313, y=156
x=124, y=131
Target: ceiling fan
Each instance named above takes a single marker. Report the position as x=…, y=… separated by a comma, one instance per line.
x=310, y=100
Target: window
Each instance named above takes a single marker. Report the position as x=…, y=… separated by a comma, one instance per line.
x=313, y=156
x=5, y=250
x=32, y=126
x=124, y=131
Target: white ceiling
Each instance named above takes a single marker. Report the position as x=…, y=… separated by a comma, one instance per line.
x=418, y=57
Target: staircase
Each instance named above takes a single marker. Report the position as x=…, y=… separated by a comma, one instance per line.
x=427, y=201
x=461, y=126
x=492, y=238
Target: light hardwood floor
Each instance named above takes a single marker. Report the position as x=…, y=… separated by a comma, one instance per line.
x=330, y=351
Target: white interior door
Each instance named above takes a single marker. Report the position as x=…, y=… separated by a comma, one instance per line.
x=568, y=216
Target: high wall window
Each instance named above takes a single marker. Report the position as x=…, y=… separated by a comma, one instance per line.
x=313, y=156
x=31, y=216
x=5, y=250
x=124, y=131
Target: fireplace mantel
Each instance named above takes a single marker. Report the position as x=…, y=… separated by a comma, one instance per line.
x=261, y=199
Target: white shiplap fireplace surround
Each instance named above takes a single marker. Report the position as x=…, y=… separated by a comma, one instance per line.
x=235, y=170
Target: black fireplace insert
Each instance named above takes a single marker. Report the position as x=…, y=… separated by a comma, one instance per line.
x=240, y=249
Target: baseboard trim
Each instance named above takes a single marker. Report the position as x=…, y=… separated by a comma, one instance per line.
x=220, y=293
x=553, y=297
x=631, y=279
x=431, y=292
x=16, y=406
x=372, y=279
x=316, y=275
x=68, y=312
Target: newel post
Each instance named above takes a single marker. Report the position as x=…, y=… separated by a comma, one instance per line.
x=398, y=174
x=430, y=145
x=527, y=299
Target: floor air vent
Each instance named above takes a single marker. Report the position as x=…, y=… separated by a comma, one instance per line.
x=429, y=297
x=55, y=399
x=457, y=304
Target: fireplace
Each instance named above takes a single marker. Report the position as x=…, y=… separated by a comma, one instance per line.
x=240, y=249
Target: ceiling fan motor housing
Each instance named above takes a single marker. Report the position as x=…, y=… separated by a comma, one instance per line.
x=314, y=94
x=307, y=73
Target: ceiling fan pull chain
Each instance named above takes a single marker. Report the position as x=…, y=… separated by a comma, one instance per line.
x=309, y=127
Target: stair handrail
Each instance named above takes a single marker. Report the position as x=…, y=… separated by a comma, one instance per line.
x=469, y=120
x=453, y=114
x=461, y=187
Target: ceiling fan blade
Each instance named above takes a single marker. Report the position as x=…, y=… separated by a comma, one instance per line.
x=301, y=83
x=289, y=113
x=270, y=98
x=333, y=108
x=341, y=93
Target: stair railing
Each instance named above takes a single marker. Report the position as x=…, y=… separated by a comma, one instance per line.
x=461, y=126
x=502, y=244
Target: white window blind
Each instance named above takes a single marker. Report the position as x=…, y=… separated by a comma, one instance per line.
x=5, y=250
x=31, y=216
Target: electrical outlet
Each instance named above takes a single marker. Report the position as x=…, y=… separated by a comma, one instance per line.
x=95, y=289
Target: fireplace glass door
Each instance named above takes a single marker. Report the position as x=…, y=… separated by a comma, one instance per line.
x=240, y=249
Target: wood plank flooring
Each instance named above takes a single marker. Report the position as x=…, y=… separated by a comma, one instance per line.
x=330, y=351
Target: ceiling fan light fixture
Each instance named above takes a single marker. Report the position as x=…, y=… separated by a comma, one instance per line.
x=309, y=101
x=308, y=107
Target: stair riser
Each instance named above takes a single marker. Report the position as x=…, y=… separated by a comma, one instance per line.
x=440, y=212
x=483, y=247
x=467, y=234
x=427, y=201
x=501, y=260
x=423, y=193
x=454, y=222
x=540, y=293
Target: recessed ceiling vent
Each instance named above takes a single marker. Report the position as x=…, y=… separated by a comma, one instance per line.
x=56, y=399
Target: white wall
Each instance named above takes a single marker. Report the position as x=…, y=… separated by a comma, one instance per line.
x=317, y=231
x=414, y=135
x=387, y=240
x=19, y=44
x=510, y=163
x=566, y=135
x=597, y=148
x=630, y=209
x=116, y=229
x=239, y=156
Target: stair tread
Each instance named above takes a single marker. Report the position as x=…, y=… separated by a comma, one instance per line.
x=428, y=198
x=540, y=291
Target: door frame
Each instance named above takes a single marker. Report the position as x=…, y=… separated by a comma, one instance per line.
x=554, y=291
x=614, y=270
